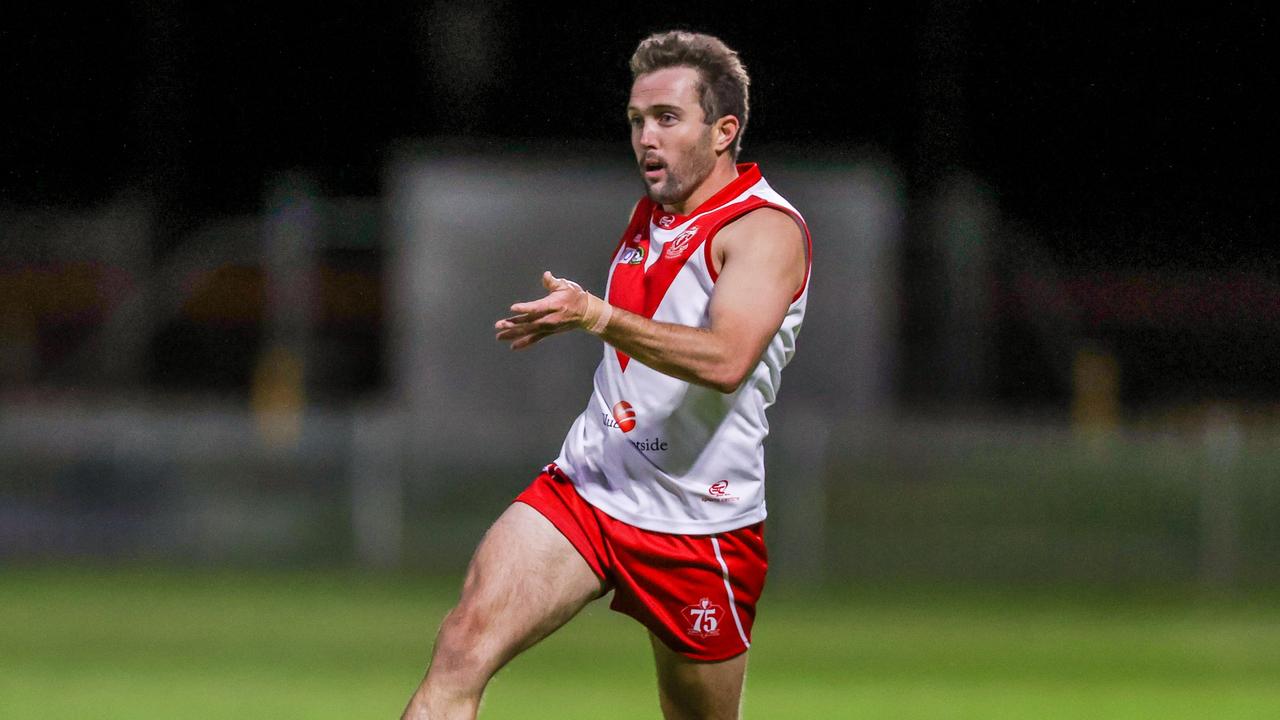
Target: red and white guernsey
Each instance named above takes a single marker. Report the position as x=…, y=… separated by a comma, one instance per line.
x=660, y=453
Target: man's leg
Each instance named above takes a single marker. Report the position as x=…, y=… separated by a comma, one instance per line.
x=525, y=581
x=694, y=690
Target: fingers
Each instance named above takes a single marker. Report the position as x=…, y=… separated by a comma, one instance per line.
x=507, y=333
x=537, y=319
x=522, y=324
x=546, y=305
x=528, y=340
x=535, y=308
x=531, y=310
x=522, y=332
x=526, y=313
x=553, y=283
x=522, y=336
x=512, y=321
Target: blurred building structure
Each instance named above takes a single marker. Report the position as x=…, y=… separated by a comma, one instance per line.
x=320, y=384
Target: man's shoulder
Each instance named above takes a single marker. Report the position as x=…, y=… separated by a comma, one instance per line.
x=764, y=221
x=764, y=237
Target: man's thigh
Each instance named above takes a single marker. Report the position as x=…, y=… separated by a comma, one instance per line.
x=525, y=580
x=695, y=690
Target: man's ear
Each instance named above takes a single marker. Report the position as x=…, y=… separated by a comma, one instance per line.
x=725, y=132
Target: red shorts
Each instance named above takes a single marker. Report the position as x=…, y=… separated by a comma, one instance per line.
x=696, y=593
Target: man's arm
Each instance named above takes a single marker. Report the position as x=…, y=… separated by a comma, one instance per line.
x=763, y=266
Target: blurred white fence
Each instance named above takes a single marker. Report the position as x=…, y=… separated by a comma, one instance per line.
x=922, y=499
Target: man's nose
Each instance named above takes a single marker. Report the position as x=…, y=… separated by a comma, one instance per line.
x=648, y=134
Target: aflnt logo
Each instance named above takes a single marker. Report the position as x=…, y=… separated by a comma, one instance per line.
x=632, y=256
x=676, y=247
x=666, y=221
x=625, y=416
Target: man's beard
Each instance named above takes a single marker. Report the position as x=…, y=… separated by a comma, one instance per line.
x=681, y=181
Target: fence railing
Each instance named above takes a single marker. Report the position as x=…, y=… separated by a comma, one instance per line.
x=928, y=499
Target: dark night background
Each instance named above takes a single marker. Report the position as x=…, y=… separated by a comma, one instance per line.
x=1126, y=137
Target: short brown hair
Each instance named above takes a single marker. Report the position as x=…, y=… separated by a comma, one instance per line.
x=724, y=82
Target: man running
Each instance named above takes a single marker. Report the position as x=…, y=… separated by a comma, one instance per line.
x=658, y=491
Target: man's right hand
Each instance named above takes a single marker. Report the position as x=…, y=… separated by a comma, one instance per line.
x=565, y=307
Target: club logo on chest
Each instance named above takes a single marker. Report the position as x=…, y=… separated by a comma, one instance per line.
x=679, y=244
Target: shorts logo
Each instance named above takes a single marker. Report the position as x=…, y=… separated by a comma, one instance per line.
x=704, y=618
x=666, y=221
x=625, y=416
x=677, y=246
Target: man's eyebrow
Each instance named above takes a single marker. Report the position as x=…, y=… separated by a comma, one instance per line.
x=660, y=107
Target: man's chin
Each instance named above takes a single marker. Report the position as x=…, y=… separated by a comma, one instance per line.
x=664, y=194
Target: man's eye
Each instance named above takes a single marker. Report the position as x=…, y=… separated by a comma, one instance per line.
x=668, y=118
x=633, y=121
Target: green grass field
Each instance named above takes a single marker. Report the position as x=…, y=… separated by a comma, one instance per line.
x=138, y=644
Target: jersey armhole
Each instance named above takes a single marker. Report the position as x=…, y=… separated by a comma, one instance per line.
x=804, y=227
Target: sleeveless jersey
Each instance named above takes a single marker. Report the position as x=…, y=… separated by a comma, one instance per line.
x=657, y=452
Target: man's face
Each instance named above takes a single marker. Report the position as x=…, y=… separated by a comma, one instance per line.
x=670, y=135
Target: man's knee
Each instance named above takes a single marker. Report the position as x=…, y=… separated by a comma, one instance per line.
x=460, y=668
x=463, y=646
x=691, y=690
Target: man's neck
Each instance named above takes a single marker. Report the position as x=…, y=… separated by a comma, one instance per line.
x=725, y=172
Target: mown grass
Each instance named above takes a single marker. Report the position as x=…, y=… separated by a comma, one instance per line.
x=145, y=643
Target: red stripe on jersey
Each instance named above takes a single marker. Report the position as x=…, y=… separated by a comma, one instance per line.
x=626, y=281
x=637, y=224
x=641, y=291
